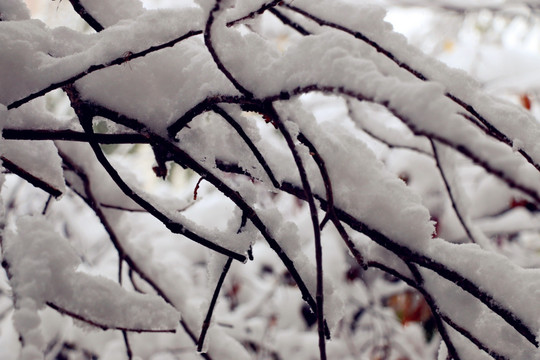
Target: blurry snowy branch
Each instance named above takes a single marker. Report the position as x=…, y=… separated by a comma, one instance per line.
x=399, y=195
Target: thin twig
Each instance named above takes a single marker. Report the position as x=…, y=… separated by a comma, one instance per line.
x=203, y=106
x=331, y=210
x=95, y=205
x=450, y=192
x=274, y=116
x=129, y=352
x=287, y=21
x=260, y=158
x=435, y=311
x=215, y=57
x=207, y=319
x=71, y=135
x=34, y=180
x=252, y=14
x=46, y=207
x=86, y=16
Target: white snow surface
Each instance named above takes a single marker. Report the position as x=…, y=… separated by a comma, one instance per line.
x=43, y=268
x=11, y=10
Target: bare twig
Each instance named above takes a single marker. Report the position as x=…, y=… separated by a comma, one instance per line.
x=331, y=210
x=205, y=105
x=450, y=192
x=129, y=352
x=217, y=60
x=260, y=158
x=287, y=21
x=34, y=180
x=71, y=135
x=207, y=319
x=274, y=116
x=252, y=14
x=86, y=16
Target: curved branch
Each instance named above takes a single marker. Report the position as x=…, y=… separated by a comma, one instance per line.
x=274, y=116
x=331, y=210
x=215, y=57
x=203, y=106
x=451, y=193
x=37, y=182
x=249, y=143
x=206, y=323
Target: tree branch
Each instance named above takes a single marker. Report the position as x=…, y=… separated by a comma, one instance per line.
x=260, y=158
x=436, y=311
x=86, y=16
x=450, y=192
x=274, y=116
x=331, y=210
x=252, y=14
x=207, y=319
x=37, y=182
x=215, y=57
x=72, y=135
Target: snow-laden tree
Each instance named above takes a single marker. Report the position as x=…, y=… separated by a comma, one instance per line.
x=291, y=234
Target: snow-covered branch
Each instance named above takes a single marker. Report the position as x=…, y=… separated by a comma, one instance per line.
x=268, y=131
